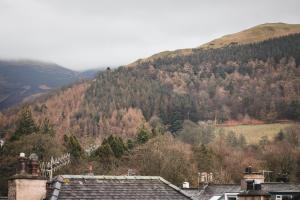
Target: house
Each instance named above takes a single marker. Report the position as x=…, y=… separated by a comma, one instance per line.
x=27, y=184
x=113, y=187
x=252, y=187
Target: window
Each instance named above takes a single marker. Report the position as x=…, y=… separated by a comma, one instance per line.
x=215, y=198
x=278, y=197
x=231, y=196
x=284, y=197
x=287, y=197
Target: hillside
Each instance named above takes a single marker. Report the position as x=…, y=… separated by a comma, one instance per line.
x=254, y=34
x=23, y=80
x=259, y=81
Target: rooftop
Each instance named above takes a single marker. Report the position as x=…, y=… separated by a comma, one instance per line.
x=114, y=187
x=281, y=187
x=219, y=190
x=211, y=190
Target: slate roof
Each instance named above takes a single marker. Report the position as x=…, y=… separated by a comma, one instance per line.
x=208, y=191
x=211, y=190
x=281, y=187
x=70, y=187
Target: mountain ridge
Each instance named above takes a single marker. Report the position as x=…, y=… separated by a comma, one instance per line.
x=254, y=34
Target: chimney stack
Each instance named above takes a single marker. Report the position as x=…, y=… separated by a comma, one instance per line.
x=251, y=178
x=27, y=184
x=251, y=186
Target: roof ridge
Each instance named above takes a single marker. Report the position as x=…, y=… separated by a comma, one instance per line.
x=175, y=188
x=289, y=183
x=67, y=176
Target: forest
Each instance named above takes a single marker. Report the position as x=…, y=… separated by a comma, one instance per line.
x=197, y=147
x=259, y=80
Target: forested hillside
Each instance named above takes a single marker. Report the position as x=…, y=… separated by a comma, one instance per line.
x=258, y=80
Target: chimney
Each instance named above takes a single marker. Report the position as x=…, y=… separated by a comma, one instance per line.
x=186, y=185
x=251, y=178
x=206, y=177
x=27, y=184
x=90, y=170
x=251, y=186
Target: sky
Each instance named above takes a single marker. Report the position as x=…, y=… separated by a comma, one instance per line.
x=84, y=34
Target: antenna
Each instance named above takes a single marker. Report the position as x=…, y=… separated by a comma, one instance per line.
x=47, y=168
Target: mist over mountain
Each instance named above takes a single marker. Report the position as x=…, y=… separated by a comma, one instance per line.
x=22, y=80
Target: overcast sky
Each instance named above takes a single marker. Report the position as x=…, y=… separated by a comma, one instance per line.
x=82, y=34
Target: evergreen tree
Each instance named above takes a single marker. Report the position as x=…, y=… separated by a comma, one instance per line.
x=279, y=136
x=105, y=155
x=203, y=157
x=242, y=141
x=46, y=127
x=116, y=144
x=231, y=139
x=26, y=124
x=130, y=144
x=293, y=110
x=73, y=146
x=143, y=135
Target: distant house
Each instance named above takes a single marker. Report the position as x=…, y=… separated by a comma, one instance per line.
x=252, y=187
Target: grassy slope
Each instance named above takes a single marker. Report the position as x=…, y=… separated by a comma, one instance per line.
x=253, y=133
x=255, y=34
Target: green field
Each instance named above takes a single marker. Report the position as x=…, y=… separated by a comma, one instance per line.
x=253, y=133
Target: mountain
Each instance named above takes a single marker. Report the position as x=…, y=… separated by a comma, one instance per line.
x=24, y=80
x=256, y=80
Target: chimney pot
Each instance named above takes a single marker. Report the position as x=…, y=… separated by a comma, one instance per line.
x=33, y=164
x=22, y=163
x=186, y=185
x=90, y=170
